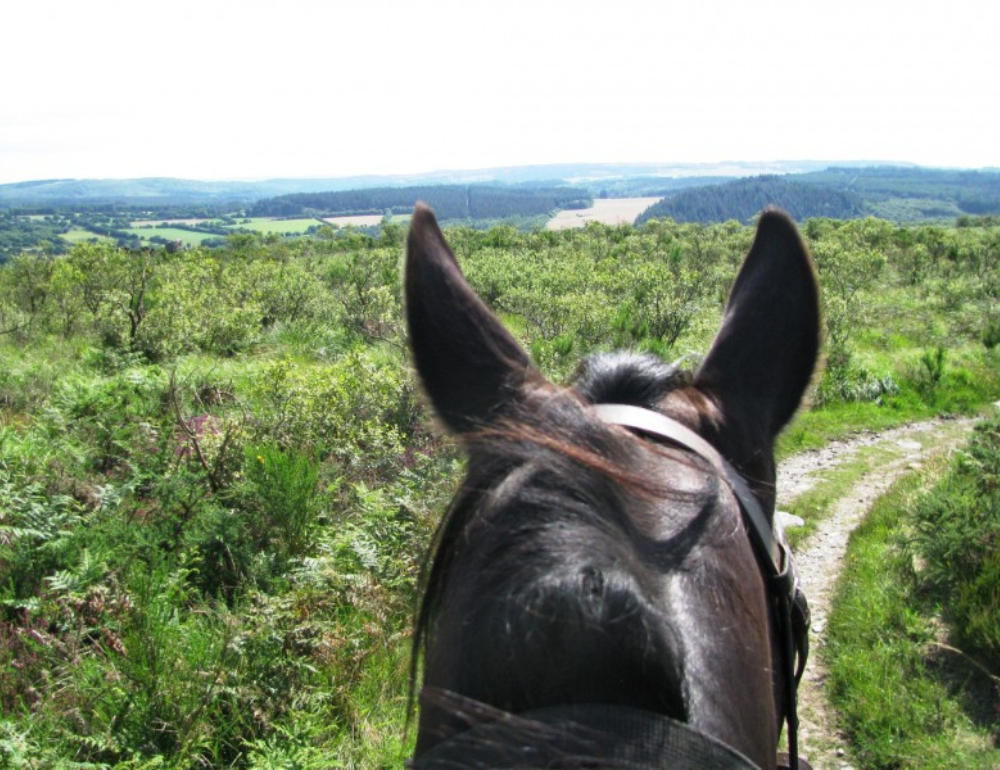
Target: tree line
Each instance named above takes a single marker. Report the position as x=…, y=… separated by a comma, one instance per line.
x=449, y=201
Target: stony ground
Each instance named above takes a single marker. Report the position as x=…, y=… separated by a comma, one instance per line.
x=820, y=557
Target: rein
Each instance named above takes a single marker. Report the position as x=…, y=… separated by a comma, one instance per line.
x=783, y=582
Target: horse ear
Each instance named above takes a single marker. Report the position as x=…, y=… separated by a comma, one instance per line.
x=764, y=355
x=470, y=365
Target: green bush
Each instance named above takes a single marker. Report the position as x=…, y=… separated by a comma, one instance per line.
x=843, y=382
x=991, y=334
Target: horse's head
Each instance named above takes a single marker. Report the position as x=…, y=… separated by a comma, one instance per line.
x=584, y=563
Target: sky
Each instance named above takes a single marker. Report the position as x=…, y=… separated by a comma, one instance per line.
x=214, y=89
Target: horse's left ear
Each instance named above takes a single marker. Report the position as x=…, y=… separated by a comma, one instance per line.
x=764, y=355
x=470, y=365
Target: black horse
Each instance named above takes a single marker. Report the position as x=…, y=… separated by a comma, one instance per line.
x=599, y=595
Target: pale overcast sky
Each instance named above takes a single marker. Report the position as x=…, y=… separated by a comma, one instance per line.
x=213, y=89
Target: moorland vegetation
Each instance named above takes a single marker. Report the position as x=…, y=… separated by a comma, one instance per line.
x=217, y=479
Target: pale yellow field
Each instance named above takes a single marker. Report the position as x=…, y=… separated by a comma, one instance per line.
x=609, y=211
x=361, y=220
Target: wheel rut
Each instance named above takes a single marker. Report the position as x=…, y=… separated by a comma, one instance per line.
x=820, y=558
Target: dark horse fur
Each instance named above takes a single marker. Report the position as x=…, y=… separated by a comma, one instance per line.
x=581, y=564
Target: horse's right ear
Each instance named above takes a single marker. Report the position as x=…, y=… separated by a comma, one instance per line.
x=471, y=367
x=763, y=357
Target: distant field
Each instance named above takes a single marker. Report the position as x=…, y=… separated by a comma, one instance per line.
x=186, y=237
x=365, y=220
x=158, y=222
x=79, y=235
x=608, y=211
x=280, y=226
x=362, y=220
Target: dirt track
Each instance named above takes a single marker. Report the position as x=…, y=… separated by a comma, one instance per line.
x=819, y=559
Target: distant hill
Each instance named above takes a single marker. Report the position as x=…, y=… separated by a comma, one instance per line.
x=899, y=194
x=702, y=192
x=915, y=193
x=615, y=179
x=156, y=191
x=743, y=199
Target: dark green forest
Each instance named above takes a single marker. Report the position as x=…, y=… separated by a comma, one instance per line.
x=892, y=193
x=743, y=199
x=975, y=192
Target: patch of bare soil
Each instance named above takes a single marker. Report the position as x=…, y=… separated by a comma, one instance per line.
x=357, y=220
x=820, y=558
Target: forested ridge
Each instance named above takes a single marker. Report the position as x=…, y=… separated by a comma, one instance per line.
x=449, y=201
x=892, y=193
x=743, y=199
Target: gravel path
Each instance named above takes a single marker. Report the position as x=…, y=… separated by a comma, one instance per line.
x=819, y=559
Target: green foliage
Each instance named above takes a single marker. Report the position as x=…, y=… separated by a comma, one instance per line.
x=959, y=536
x=843, y=383
x=991, y=334
x=933, y=362
x=23, y=233
x=282, y=492
x=217, y=479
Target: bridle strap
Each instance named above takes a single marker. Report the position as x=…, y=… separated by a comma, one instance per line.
x=792, y=609
x=655, y=424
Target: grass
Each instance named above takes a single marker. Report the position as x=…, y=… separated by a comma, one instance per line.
x=187, y=237
x=968, y=380
x=897, y=707
x=81, y=235
x=280, y=226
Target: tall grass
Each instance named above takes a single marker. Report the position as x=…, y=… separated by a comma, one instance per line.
x=958, y=536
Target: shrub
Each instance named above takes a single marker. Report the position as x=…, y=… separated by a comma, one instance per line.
x=282, y=492
x=991, y=334
x=959, y=536
x=844, y=382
